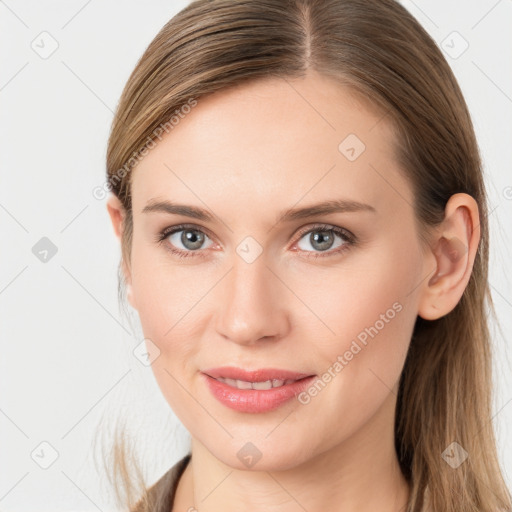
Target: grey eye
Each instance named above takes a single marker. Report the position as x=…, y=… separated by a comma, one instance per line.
x=321, y=240
x=191, y=239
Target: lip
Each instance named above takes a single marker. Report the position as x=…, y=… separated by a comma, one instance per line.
x=255, y=400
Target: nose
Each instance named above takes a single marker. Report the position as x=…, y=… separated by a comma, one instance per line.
x=253, y=304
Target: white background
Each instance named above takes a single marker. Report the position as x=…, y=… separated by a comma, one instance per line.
x=66, y=362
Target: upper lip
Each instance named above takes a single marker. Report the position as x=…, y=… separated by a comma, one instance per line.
x=259, y=375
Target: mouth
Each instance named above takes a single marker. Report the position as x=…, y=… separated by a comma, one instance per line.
x=266, y=384
x=255, y=391
x=263, y=378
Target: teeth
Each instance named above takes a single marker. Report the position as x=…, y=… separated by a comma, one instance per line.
x=241, y=384
x=268, y=384
x=262, y=385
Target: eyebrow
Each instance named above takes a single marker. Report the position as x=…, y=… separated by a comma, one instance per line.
x=323, y=208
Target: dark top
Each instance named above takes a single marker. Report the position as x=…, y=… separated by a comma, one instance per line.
x=162, y=492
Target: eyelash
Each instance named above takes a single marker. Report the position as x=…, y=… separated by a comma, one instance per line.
x=346, y=235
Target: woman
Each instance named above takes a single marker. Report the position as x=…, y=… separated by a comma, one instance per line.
x=298, y=194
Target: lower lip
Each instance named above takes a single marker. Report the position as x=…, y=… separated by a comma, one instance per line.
x=256, y=400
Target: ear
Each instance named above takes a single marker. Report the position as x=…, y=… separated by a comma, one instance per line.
x=451, y=257
x=117, y=214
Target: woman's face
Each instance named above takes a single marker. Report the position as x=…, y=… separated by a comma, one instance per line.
x=260, y=288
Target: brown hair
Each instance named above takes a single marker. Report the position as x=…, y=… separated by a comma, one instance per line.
x=377, y=48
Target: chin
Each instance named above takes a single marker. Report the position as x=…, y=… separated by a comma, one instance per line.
x=259, y=455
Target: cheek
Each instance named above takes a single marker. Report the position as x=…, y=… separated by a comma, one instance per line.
x=167, y=298
x=352, y=296
x=166, y=303
x=163, y=292
x=372, y=311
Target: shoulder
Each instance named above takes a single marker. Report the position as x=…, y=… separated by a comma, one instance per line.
x=161, y=493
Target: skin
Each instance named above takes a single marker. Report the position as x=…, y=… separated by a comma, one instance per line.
x=246, y=154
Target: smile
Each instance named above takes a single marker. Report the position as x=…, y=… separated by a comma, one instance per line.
x=267, y=384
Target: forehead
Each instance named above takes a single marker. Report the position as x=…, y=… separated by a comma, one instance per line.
x=274, y=142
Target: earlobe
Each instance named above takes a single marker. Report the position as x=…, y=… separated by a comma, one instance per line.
x=454, y=249
x=130, y=296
